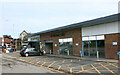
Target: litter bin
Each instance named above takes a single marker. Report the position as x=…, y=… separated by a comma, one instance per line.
x=11, y=50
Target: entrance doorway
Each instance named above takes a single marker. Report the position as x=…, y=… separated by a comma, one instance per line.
x=66, y=46
x=49, y=46
x=93, y=44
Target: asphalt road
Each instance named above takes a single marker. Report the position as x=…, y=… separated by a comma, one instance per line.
x=0, y=63
x=60, y=65
x=14, y=66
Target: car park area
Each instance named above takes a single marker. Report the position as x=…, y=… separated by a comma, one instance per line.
x=68, y=65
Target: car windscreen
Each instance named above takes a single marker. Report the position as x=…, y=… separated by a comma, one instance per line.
x=23, y=49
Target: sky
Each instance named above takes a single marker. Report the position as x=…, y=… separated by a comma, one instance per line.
x=39, y=15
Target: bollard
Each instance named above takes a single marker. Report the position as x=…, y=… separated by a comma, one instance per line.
x=97, y=54
x=68, y=52
x=119, y=56
x=81, y=54
x=50, y=51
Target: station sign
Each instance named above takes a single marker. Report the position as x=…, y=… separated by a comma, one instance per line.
x=114, y=43
x=118, y=53
x=57, y=35
x=80, y=52
x=58, y=51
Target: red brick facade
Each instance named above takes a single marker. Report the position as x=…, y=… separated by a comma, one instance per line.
x=76, y=34
x=7, y=40
x=110, y=49
x=0, y=39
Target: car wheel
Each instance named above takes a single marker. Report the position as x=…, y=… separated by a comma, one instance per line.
x=26, y=55
x=21, y=55
x=40, y=54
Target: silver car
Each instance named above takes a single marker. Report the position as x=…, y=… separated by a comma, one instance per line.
x=30, y=51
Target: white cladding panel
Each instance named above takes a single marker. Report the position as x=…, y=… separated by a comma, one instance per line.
x=119, y=26
x=107, y=28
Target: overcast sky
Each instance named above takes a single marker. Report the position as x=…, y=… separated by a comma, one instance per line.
x=38, y=15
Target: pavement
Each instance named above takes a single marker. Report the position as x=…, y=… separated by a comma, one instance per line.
x=69, y=64
x=85, y=58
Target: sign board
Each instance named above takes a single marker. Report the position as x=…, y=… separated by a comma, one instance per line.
x=55, y=45
x=114, y=43
x=76, y=44
x=57, y=50
x=118, y=53
x=80, y=52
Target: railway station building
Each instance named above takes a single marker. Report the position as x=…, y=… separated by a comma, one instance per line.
x=101, y=35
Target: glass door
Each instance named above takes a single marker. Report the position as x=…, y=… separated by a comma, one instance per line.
x=101, y=48
x=86, y=48
x=93, y=48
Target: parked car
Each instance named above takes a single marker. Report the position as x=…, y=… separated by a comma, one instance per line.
x=30, y=51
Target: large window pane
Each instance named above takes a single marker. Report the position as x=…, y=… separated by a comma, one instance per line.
x=92, y=38
x=86, y=43
x=100, y=37
x=93, y=48
x=101, y=48
x=85, y=39
x=65, y=45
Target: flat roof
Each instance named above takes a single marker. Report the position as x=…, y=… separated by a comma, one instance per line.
x=102, y=20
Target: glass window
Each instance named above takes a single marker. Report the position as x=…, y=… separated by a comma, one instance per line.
x=93, y=48
x=100, y=37
x=101, y=48
x=86, y=53
x=60, y=40
x=93, y=43
x=85, y=39
x=65, y=40
x=34, y=49
x=65, y=45
x=69, y=39
x=92, y=38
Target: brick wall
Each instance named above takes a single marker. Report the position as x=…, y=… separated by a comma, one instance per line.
x=0, y=39
x=6, y=40
x=76, y=34
x=110, y=49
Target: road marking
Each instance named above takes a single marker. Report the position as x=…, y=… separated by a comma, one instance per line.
x=106, y=68
x=68, y=65
x=70, y=70
x=114, y=65
x=95, y=69
x=38, y=62
x=59, y=67
x=52, y=63
x=89, y=69
x=54, y=70
x=63, y=61
x=43, y=64
x=82, y=68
